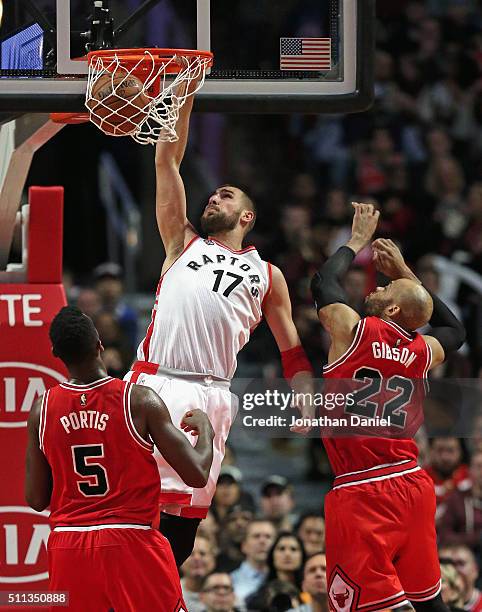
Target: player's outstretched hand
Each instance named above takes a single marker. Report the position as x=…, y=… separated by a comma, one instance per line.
x=195, y=421
x=389, y=260
x=365, y=222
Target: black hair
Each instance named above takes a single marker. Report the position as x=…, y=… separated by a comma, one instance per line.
x=272, y=572
x=73, y=336
x=307, y=515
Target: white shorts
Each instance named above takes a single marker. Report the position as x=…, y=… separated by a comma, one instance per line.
x=221, y=407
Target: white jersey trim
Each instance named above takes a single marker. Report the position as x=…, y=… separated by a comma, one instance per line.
x=376, y=478
x=93, y=385
x=99, y=527
x=377, y=467
x=128, y=419
x=372, y=603
x=43, y=420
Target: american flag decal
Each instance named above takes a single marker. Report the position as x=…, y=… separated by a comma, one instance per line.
x=305, y=53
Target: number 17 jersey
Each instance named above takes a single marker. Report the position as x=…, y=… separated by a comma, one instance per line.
x=207, y=304
x=390, y=365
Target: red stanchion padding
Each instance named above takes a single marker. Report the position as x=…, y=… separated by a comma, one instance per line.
x=27, y=369
x=45, y=234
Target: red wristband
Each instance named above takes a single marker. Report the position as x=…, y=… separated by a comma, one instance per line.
x=295, y=360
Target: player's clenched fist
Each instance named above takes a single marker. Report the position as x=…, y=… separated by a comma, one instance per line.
x=196, y=422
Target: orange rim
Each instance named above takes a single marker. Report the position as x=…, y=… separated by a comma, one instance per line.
x=70, y=118
x=131, y=57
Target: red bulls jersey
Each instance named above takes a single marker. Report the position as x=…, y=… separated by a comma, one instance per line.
x=388, y=365
x=103, y=470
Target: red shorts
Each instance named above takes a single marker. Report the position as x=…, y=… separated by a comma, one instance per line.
x=129, y=570
x=381, y=547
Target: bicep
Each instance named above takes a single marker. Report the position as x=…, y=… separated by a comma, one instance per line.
x=340, y=321
x=438, y=354
x=278, y=314
x=170, y=206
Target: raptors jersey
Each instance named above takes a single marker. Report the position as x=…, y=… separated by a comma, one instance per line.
x=390, y=364
x=207, y=304
x=103, y=470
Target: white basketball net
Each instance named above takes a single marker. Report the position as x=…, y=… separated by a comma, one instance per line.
x=154, y=115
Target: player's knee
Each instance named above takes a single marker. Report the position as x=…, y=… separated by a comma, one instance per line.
x=432, y=605
x=181, y=533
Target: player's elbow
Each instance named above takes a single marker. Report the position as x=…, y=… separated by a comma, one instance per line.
x=198, y=478
x=35, y=501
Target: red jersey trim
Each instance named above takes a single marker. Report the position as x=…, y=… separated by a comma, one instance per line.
x=88, y=387
x=175, y=497
x=376, y=473
x=240, y=252
x=270, y=284
x=43, y=420
x=351, y=349
x=395, y=601
x=147, y=339
x=126, y=400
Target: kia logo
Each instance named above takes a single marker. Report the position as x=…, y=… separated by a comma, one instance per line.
x=23, y=544
x=20, y=385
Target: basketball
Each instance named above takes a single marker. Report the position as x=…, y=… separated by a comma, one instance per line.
x=117, y=103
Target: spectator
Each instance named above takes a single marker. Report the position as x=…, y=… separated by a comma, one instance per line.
x=310, y=528
x=113, y=337
x=286, y=559
x=464, y=560
x=231, y=535
x=277, y=502
x=446, y=468
x=109, y=285
x=194, y=570
x=217, y=593
x=453, y=585
x=461, y=523
x=89, y=302
x=249, y=576
x=314, y=585
x=229, y=492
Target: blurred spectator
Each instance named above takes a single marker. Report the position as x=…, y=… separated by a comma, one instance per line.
x=446, y=468
x=461, y=521
x=88, y=300
x=194, y=570
x=464, y=560
x=278, y=597
x=229, y=493
x=209, y=528
x=232, y=532
x=109, y=285
x=453, y=585
x=114, y=363
x=249, y=576
x=277, y=502
x=310, y=528
x=112, y=337
x=286, y=559
x=217, y=593
x=314, y=585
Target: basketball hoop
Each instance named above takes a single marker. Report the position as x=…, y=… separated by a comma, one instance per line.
x=165, y=78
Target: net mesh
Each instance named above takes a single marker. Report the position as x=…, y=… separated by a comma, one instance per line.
x=140, y=94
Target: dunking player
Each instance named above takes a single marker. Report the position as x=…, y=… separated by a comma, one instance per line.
x=90, y=457
x=380, y=533
x=211, y=295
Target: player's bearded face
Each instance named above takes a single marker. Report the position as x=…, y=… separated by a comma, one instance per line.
x=215, y=220
x=376, y=303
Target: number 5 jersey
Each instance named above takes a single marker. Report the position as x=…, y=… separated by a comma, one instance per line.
x=103, y=471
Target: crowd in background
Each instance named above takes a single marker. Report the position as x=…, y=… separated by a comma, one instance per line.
x=417, y=154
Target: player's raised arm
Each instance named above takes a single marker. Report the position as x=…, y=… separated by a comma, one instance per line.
x=171, y=216
x=335, y=315
x=191, y=463
x=38, y=476
x=447, y=333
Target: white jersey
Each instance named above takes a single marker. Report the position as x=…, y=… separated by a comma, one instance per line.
x=207, y=304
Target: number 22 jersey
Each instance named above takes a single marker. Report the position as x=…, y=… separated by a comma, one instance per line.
x=103, y=471
x=391, y=365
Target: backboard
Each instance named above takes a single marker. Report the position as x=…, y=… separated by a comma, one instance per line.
x=307, y=56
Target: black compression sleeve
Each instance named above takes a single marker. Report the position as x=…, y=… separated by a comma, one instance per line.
x=325, y=284
x=448, y=330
